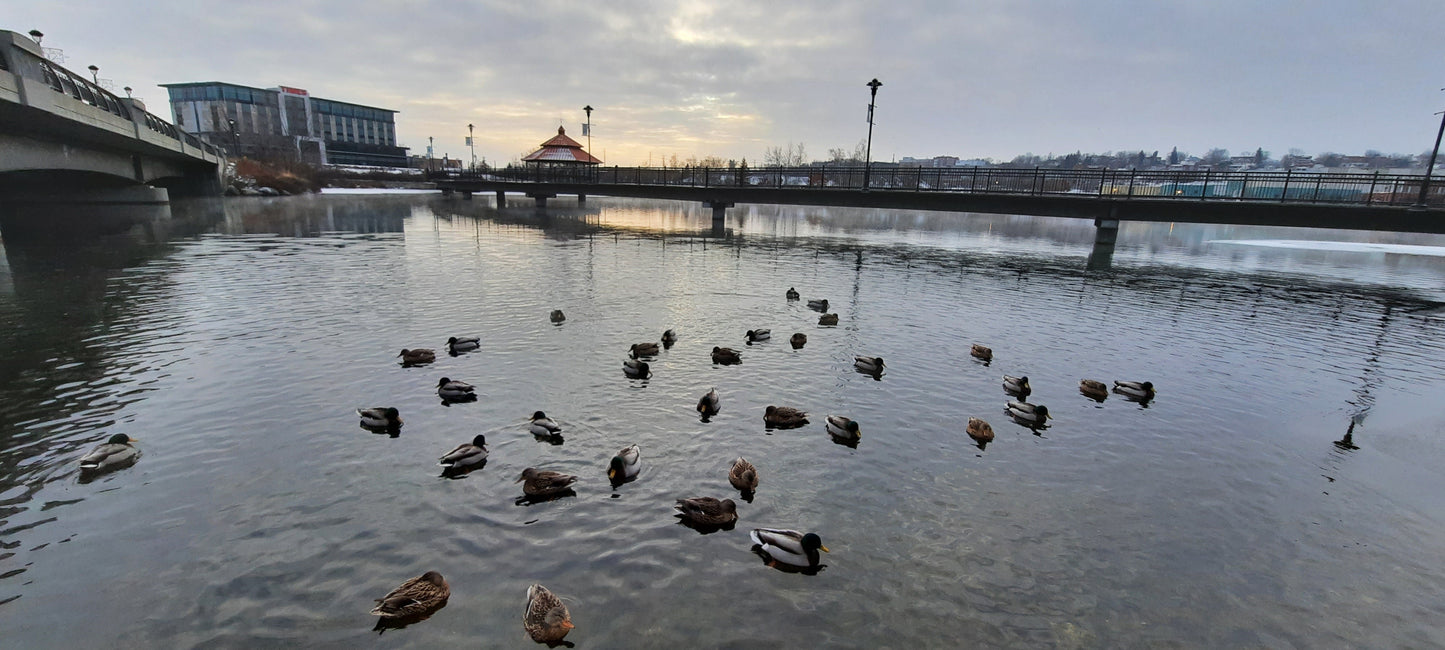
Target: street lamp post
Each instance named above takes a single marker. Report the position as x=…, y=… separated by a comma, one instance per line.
x=430, y=142
x=868, y=151
x=1430, y=167
x=473, y=144
x=588, y=129
x=94, y=74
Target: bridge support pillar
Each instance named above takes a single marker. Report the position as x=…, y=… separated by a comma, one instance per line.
x=581, y=199
x=719, y=211
x=466, y=195
x=501, y=199
x=541, y=200
x=1106, y=232
x=447, y=192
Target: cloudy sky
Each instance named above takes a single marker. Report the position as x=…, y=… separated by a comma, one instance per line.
x=732, y=78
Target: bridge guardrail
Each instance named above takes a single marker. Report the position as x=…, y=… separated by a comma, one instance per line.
x=1204, y=185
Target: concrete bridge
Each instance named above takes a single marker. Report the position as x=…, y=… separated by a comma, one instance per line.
x=64, y=139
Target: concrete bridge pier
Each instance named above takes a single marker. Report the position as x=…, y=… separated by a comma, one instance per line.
x=447, y=192
x=501, y=199
x=1106, y=232
x=581, y=199
x=541, y=200
x=466, y=195
x=719, y=211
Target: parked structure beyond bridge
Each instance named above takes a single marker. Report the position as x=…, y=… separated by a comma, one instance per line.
x=66, y=139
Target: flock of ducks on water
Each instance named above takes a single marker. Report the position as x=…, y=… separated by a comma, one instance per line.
x=546, y=619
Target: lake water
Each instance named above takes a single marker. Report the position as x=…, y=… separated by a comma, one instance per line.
x=234, y=340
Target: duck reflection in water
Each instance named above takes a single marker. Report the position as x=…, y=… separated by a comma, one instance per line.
x=398, y=622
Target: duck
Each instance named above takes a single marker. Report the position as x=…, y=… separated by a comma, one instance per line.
x=707, y=511
x=726, y=355
x=542, y=482
x=557, y=316
x=115, y=453
x=789, y=546
x=1031, y=413
x=648, y=349
x=380, y=417
x=1094, y=389
x=868, y=364
x=420, y=595
x=466, y=454
x=979, y=430
x=455, y=390
x=784, y=417
x=820, y=305
x=1138, y=390
x=710, y=404
x=758, y=335
x=1017, y=385
x=546, y=619
x=458, y=344
x=636, y=369
x=626, y=464
x=798, y=340
x=793, y=294
x=743, y=476
x=841, y=427
x=668, y=338
x=543, y=425
x=981, y=352
x=828, y=319
x=417, y=356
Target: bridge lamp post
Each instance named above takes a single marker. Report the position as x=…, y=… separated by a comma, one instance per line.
x=35, y=34
x=1430, y=167
x=94, y=74
x=588, y=131
x=868, y=150
x=235, y=137
x=127, y=92
x=473, y=144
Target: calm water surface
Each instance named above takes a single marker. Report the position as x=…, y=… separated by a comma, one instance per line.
x=234, y=341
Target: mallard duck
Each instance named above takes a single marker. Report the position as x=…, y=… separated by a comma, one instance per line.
x=417, y=356
x=636, y=369
x=648, y=349
x=380, y=417
x=543, y=425
x=114, y=453
x=981, y=352
x=1032, y=413
x=466, y=454
x=557, y=316
x=707, y=511
x=668, y=338
x=463, y=343
x=726, y=355
x=455, y=390
x=793, y=294
x=1017, y=385
x=789, y=546
x=710, y=403
x=754, y=336
x=868, y=364
x=841, y=427
x=1094, y=389
x=979, y=430
x=743, y=476
x=784, y=417
x=828, y=319
x=546, y=619
x=420, y=595
x=798, y=340
x=1138, y=390
x=542, y=482
x=626, y=464
x=819, y=305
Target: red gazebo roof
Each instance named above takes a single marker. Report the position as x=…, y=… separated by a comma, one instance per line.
x=561, y=149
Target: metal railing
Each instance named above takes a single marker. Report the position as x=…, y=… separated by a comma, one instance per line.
x=1358, y=188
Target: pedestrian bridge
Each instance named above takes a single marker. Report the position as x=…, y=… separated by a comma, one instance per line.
x=66, y=139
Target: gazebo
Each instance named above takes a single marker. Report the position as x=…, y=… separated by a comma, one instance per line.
x=562, y=156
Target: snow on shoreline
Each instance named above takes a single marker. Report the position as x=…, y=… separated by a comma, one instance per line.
x=1337, y=246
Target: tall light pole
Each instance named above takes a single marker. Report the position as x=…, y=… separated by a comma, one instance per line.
x=1430, y=167
x=868, y=151
x=430, y=143
x=94, y=74
x=473, y=144
x=588, y=129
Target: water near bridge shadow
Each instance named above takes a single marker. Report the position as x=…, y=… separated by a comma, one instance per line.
x=235, y=339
